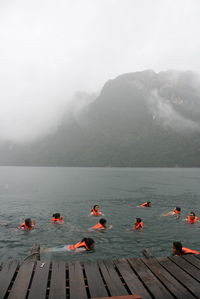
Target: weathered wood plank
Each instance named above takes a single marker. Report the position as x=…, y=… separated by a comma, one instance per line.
x=6, y=275
x=112, y=279
x=76, y=281
x=183, y=277
x=131, y=280
x=151, y=281
x=122, y=297
x=58, y=281
x=95, y=282
x=167, y=279
x=192, y=259
x=22, y=281
x=186, y=266
x=39, y=283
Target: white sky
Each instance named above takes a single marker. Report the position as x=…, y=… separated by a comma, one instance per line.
x=50, y=49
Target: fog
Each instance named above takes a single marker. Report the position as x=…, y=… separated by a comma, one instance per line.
x=50, y=50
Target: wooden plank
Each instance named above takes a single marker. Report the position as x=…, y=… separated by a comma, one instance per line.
x=131, y=280
x=76, y=281
x=183, y=277
x=187, y=267
x=149, y=279
x=95, y=282
x=167, y=279
x=6, y=276
x=192, y=259
x=22, y=281
x=39, y=283
x=112, y=279
x=58, y=281
x=122, y=297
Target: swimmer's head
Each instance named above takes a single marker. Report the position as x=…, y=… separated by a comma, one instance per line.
x=56, y=215
x=89, y=242
x=96, y=207
x=138, y=220
x=177, y=248
x=103, y=221
x=192, y=215
x=178, y=209
x=149, y=203
x=28, y=222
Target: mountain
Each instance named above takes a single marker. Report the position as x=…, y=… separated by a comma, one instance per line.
x=141, y=119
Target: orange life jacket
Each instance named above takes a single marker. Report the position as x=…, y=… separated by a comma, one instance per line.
x=192, y=220
x=98, y=226
x=145, y=204
x=176, y=211
x=78, y=245
x=95, y=213
x=138, y=225
x=23, y=225
x=187, y=251
x=56, y=219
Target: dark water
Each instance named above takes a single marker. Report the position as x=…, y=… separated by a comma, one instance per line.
x=40, y=192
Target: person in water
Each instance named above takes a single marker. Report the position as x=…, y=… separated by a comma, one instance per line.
x=146, y=204
x=138, y=224
x=56, y=218
x=192, y=218
x=176, y=212
x=28, y=224
x=178, y=249
x=101, y=225
x=95, y=211
x=85, y=244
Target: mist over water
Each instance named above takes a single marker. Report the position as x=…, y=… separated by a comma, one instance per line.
x=40, y=192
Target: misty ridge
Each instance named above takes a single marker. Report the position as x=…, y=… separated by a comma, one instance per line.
x=140, y=119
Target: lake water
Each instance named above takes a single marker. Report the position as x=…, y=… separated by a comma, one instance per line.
x=38, y=192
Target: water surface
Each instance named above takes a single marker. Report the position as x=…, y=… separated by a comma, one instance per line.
x=38, y=192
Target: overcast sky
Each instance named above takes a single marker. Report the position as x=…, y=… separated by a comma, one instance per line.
x=51, y=49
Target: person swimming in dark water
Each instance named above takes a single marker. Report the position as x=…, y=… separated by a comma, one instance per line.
x=178, y=249
x=138, y=224
x=176, y=212
x=27, y=225
x=101, y=225
x=95, y=211
x=56, y=218
x=86, y=244
x=192, y=218
x=146, y=204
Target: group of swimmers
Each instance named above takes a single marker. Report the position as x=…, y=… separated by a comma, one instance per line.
x=88, y=243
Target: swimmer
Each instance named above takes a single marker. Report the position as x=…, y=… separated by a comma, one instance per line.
x=86, y=244
x=95, y=211
x=101, y=225
x=28, y=224
x=178, y=249
x=138, y=224
x=146, y=204
x=176, y=212
x=192, y=218
x=56, y=218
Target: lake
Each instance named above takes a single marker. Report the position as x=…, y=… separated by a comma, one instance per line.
x=38, y=192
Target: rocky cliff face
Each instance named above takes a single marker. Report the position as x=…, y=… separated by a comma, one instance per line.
x=141, y=119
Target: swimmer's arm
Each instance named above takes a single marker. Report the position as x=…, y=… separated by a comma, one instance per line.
x=168, y=214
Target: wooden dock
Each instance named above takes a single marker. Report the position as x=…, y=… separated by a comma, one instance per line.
x=169, y=277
